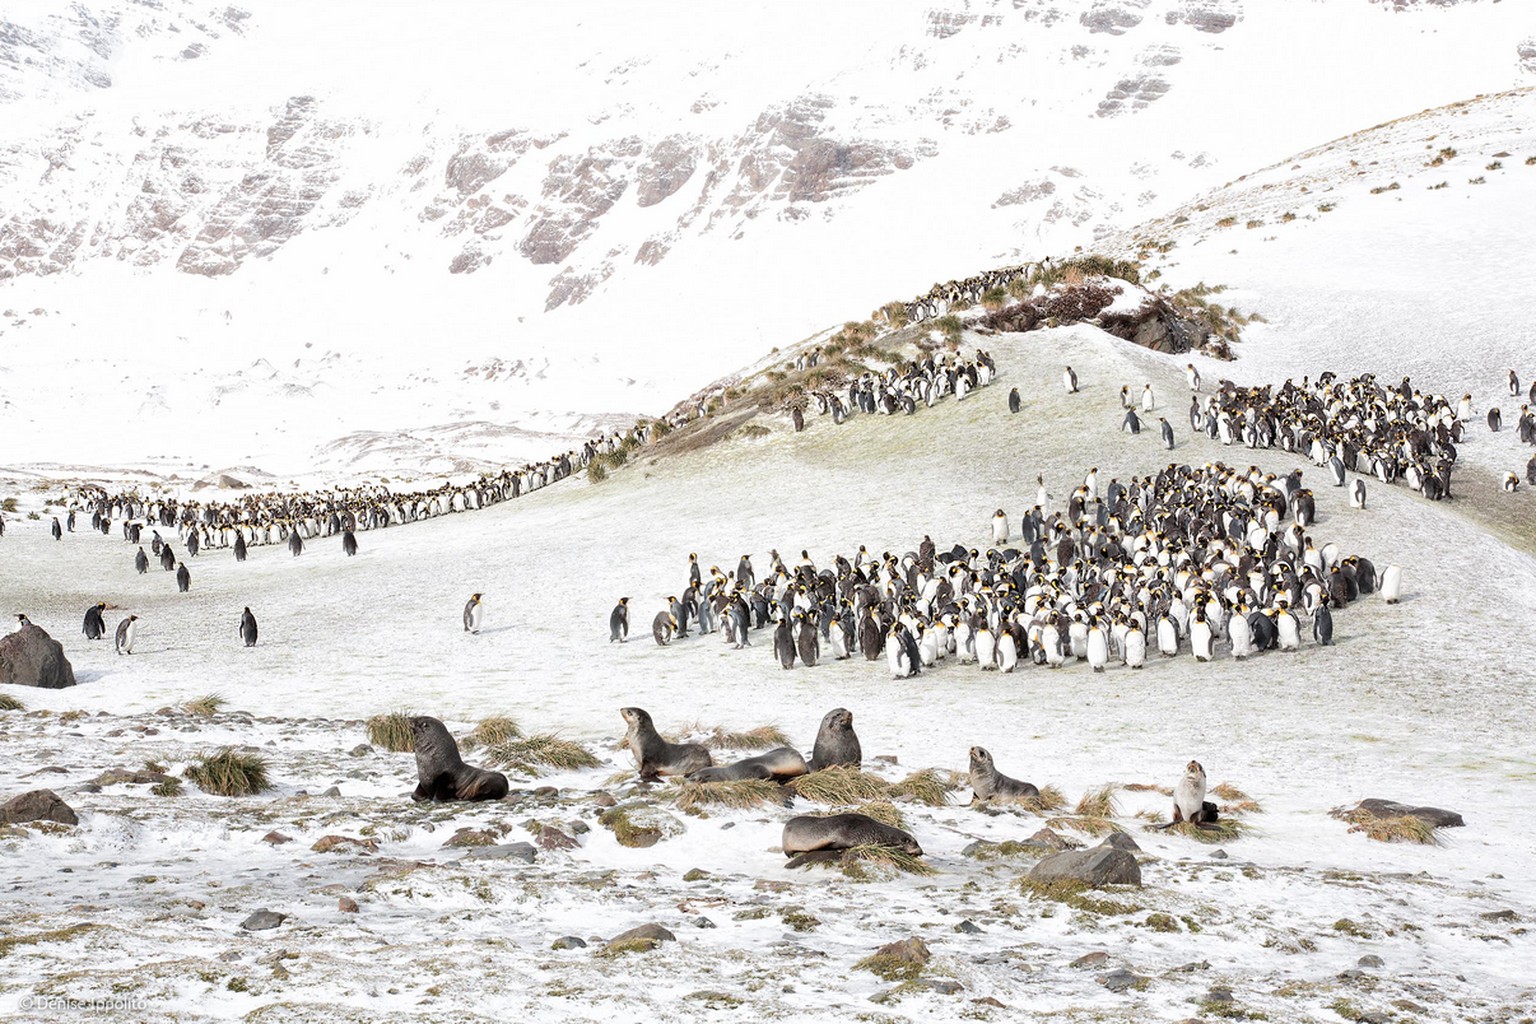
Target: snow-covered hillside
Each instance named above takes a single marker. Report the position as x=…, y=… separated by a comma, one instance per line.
x=633, y=200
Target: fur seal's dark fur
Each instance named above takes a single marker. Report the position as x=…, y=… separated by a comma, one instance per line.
x=989, y=784
x=441, y=774
x=836, y=742
x=654, y=755
x=779, y=764
x=808, y=838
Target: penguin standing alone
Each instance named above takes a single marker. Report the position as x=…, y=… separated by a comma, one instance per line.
x=239, y=546
x=248, y=628
x=1069, y=380
x=125, y=632
x=349, y=543
x=58, y=531
x=1167, y=432
x=94, y=628
x=618, y=622
x=141, y=562
x=474, y=613
x=1014, y=402
x=183, y=577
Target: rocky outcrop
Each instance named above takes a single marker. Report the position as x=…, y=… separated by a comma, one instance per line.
x=1095, y=868
x=1434, y=817
x=30, y=657
x=1114, y=17
x=1206, y=15
x=1131, y=94
x=37, y=805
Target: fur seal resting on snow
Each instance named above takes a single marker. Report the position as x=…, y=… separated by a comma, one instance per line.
x=808, y=838
x=989, y=784
x=441, y=774
x=654, y=755
x=1189, y=802
x=836, y=742
x=780, y=764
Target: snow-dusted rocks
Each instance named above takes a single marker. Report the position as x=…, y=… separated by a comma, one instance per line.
x=37, y=805
x=30, y=657
x=1435, y=817
x=1100, y=866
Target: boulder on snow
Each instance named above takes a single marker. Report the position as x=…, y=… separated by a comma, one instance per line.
x=30, y=657
x=1096, y=867
x=1435, y=817
x=37, y=805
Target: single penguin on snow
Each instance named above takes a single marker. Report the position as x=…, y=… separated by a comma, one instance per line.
x=1166, y=429
x=618, y=622
x=248, y=628
x=183, y=577
x=1014, y=403
x=124, y=636
x=474, y=614
x=94, y=628
x=349, y=543
x=141, y=562
x=239, y=546
x=1069, y=380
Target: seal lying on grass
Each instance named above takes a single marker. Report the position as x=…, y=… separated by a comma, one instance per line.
x=780, y=764
x=809, y=838
x=441, y=774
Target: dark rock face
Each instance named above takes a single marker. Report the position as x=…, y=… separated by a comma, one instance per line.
x=1112, y=18
x=263, y=920
x=1132, y=94
x=30, y=657
x=1205, y=15
x=667, y=168
x=1433, y=816
x=1097, y=867
x=38, y=805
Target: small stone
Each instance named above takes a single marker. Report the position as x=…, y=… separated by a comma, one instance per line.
x=604, y=799
x=1192, y=967
x=551, y=838
x=1052, y=840
x=1218, y=994
x=524, y=852
x=968, y=927
x=579, y=827
x=568, y=942
x=262, y=920
x=1095, y=959
x=1121, y=841
x=276, y=838
x=886, y=759
x=328, y=844
x=989, y=1001
x=546, y=793
x=696, y=875
x=1219, y=855
x=1500, y=915
x=1409, y=1006
x=704, y=922
x=1370, y=960
x=1122, y=980
x=941, y=986
x=347, y=905
x=361, y=750
x=333, y=791
x=639, y=940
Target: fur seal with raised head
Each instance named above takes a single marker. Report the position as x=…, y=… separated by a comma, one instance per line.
x=1189, y=802
x=441, y=774
x=990, y=785
x=779, y=764
x=809, y=838
x=656, y=757
x=836, y=742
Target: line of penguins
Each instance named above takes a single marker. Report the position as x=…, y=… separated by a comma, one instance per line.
x=1174, y=562
x=1395, y=433
x=901, y=389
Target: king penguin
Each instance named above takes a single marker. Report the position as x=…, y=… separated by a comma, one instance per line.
x=474, y=613
x=1014, y=403
x=141, y=562
x=239, y=545
x=1069, y=380
x=618, y=622
x=349, y=543
x=248, y=628
x=94, y=628
x=1166, y=429
x=183, y=577
x=124, y=637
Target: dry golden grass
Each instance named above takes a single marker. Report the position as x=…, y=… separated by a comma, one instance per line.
x=764, y=737
x=839, y=786
x=392, y=731
x=10, y=703
x=928, y=786
x=1050, y=799
x=740, y=793
x=882, y=811
x=491, y=731
x=205, y=706
x=1406, y=829
x=1098, y=803
x=865, y=863
x=1147, y=787
x=1224, y=830
x=531, y=754
x=229, y=773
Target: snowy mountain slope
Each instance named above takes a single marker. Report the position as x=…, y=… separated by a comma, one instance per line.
x=451, y=179
x=1385, y=712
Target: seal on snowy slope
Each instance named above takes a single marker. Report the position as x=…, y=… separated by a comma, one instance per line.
x=441, y=774
x=780, y=764
x=654, y=755
x=990, y=785
x=836, y=742
x=809, y=838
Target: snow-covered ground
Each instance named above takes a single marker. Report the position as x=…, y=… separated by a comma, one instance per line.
x=1424, y=701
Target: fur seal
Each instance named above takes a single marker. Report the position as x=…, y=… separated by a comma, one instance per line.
x=989, y=784
x=780, y=764
x=654, y=755
x=836, y=742
x=441, y=774
x=1189, y=802
x=809, y=838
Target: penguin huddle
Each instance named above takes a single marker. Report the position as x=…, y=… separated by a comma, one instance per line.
x=901, y=389
x=1184, y=561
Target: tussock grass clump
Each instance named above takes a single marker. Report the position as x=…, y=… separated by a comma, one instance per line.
x=530, y=754
x=929, y=786
x=1406, y=829
x=596, y=472
x=865, y=863
x=840, y=786
x=764, y=737
x=751, y=431
x=1050, y=799
x=167, y=787
x=1076, y=895
x=1224, y=830
x=740, y=793
x=392, y=731
x=229, y=772
x=9, y=703
x=882, y=811
x=1098, y=803
x=889, y=967
x=491, y=731
x=1147, y=787
x=1236, y=801
x=205, y=706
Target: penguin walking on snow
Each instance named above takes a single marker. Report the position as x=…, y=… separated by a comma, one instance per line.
x=239, y=546
x=1132, y=423
x=349, y=543
x=94, y=628
x=1069, y=380
x=248, y=628
x=1166, y=429
x=474, y=613
x=1014, y=403
x=125, y=632
x=618, y=622
x=141, y=562
x=183, y=577
x=58, y=531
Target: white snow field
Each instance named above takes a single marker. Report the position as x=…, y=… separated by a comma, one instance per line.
x=1425, y=701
